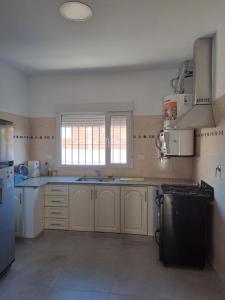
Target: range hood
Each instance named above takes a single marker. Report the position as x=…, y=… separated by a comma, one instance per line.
x=200, y=114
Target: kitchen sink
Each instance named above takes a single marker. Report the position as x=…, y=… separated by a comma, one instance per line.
x=96, y=179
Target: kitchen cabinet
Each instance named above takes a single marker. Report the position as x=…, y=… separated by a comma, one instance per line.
x=56, y=207
x=18, y=197
x=134, y=210
x=107, y=208
x=81, y=207
x=33, y=211
x=29, y=212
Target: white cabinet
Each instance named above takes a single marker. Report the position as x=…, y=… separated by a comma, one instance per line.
x=30, y=211
x=81, y=207
x=56, y=206
x=33, y=211
x=19, y=226
x=134, y=210
x=107, y=208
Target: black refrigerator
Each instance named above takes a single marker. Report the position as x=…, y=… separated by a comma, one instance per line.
x=7, y=206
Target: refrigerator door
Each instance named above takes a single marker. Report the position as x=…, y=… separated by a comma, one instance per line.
x=7, y=219
x=6, y=143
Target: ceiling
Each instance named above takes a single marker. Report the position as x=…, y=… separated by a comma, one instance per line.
x=121, y=34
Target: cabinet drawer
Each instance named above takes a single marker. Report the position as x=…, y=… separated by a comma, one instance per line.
x=53, y=223
x=56, y=200
x=56, y=190
x=56, y=212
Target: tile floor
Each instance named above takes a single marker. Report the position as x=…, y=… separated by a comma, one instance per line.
x=96, y=266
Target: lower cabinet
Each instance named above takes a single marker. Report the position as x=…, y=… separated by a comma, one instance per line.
x=107, y=208
x=81, y=207
x=56, y=206
x=134, y=210
x=19, y=203
x=29, y=212
x=103, y=208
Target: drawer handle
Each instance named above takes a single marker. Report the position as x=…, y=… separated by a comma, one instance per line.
x=56, y=190
x=57, y=201
x=56, y=224
x=56, y=213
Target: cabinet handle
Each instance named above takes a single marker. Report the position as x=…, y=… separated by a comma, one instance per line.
x=56, y=213
x=56, y=190
x=20, y=199
x=91, y=195
x=145, y=197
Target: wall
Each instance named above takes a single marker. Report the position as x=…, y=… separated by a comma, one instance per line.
x=146, y=89
x=13, y=87
x=220, y=50
x=14, y=107
x=210, y=146
x=146, y=162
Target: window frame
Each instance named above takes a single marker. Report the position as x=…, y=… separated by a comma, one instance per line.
x=108, y=164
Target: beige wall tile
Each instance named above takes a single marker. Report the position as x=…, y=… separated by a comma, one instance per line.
x=145, y=164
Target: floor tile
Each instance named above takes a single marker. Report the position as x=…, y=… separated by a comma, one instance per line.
x=62, y=265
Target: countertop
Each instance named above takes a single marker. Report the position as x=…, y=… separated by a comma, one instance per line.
x=40, y=181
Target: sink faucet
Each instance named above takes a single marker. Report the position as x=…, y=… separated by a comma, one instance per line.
x=98, y=172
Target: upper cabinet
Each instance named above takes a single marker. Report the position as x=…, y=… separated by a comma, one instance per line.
x=107, y=208
x=81, y=207
x=134, y=210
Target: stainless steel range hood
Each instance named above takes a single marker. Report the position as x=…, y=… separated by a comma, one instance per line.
x=201, y=114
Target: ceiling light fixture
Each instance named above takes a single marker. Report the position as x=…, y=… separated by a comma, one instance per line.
x=75, y=11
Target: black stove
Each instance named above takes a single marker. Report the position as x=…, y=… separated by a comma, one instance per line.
x=203, y=190
x=183, y=223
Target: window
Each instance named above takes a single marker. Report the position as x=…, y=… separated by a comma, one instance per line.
x=118, y=137
x=95, y=139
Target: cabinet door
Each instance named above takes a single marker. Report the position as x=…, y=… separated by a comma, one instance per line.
x=18, y=196
x=134, y=210
x=33, y=211
x=107, y=208
x=81, y=207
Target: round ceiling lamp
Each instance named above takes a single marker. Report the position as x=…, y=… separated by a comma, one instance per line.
x=75, y=11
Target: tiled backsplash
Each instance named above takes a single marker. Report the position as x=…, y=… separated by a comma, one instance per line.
x=145, y=155
x=210, y=153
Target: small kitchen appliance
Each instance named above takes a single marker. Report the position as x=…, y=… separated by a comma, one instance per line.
x=183, y=215
x=172, y=142
x=34, y=168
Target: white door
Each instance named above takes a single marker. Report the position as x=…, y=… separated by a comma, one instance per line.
x=107, y=208
x=81, y=207
x=134, y=210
